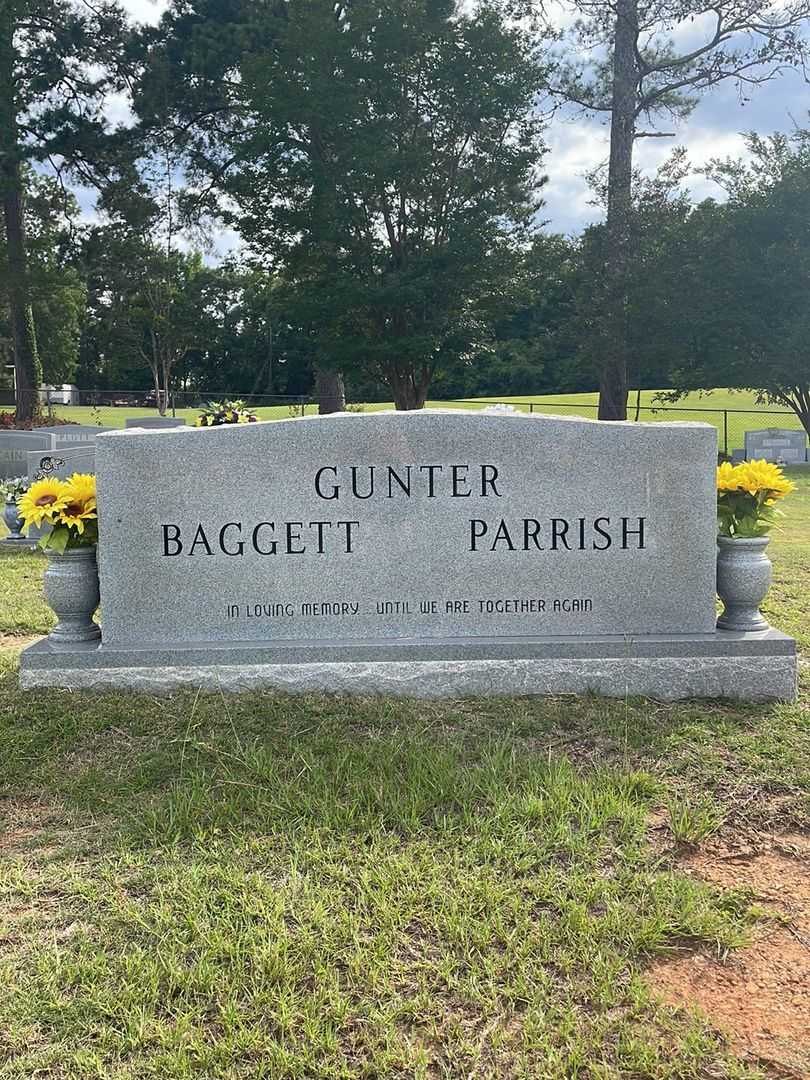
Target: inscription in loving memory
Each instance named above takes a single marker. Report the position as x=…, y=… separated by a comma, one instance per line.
x=355, y=485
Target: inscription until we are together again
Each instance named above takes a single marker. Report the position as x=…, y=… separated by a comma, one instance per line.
x=343, y=535
x=449, y=606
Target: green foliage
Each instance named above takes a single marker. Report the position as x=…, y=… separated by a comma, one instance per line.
x=377, y=162
x=742, y=270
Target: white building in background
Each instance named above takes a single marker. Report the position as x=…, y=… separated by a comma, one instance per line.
x=66, y=394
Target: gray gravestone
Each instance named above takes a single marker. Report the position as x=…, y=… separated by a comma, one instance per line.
x=147, y=422
x=492, y=507
x=76, y=433
x=423, y=553
x=70, y=444
x=61, y=462
x=737, y=456
x=14, y=447
x=776, y=444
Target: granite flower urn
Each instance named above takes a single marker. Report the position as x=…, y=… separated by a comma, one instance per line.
x=72, y=592
x=743, y=580
x=13, y=521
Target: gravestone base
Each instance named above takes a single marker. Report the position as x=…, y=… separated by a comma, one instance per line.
x=25, y=543
x=724, y=664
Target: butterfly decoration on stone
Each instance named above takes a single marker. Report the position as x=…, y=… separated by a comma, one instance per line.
x=48, y=465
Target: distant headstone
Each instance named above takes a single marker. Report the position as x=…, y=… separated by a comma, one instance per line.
x=70, y=444
x=61, y=462
x=776, y=444
x=155, y=422
x=81, y=433
x=428, y=553
x=14, y=447
x=737, y=456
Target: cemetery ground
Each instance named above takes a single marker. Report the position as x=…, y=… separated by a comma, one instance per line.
x=286, y=887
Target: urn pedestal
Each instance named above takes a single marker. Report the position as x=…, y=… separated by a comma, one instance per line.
x=743, y=580
x=71, y=590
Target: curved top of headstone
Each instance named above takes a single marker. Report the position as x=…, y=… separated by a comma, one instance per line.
x=429, y=416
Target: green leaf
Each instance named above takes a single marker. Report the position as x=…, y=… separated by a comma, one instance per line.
x=58, y=539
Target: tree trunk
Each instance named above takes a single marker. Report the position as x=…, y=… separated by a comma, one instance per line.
x=408, y=395
x=410, y=389
x=27, y=368
x=331, y=392
x=613, y=380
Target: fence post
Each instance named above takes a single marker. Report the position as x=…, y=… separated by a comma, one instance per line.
x=531, y=406
x=174, y=404
x=725, y=432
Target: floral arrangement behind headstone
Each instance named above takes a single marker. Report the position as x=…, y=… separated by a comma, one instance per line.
x=66, y=507
x=217, y=413
x=12, y=488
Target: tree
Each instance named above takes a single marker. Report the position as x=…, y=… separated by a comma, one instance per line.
x=637, y=73
x=385, y=163
x=147, y=305
x=744, y=274
x=57, y=292
x=50, y=96
x=530, y=346
x=653, y=317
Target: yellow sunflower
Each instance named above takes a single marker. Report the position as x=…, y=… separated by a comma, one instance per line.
x=80, y=501
x=43, y=501
x=728, y=477
x=82, y=486
x=764, y=476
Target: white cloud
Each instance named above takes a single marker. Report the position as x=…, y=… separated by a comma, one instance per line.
x=145, y=11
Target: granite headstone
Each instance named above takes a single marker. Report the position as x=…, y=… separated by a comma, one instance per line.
x=389, y=526
x=14, y=448
x=776, y=444
x=147, y=422
x=429, y=553
x=61, y=462
x=76, y=433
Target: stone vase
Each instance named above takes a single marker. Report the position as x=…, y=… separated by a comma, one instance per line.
x=743, y=580
x=71, y=590
x=14, y=523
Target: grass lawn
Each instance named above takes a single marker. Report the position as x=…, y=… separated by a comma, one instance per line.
x=262, y=886
x=705, y=408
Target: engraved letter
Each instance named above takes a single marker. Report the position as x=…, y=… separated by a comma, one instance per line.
x=240, y=547
x=171, y=540
x=335, y=489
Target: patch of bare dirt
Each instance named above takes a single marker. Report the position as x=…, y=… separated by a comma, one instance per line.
x=15, y=641
x=760, y=995
x=23, y=823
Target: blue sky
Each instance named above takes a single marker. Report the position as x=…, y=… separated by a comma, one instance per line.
x=578, y=144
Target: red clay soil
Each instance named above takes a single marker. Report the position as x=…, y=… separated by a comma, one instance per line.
x=758, y=996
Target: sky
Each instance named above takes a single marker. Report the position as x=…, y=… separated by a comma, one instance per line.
x=578, y=144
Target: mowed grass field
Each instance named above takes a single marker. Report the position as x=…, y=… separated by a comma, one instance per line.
x=707, y=408
x=261, y=886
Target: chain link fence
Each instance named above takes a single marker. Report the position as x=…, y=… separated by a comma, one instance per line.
x=731, y=424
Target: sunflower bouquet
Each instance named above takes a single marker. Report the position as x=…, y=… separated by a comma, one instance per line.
x=747, y=495
x=68, y=507
x=217, y=413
